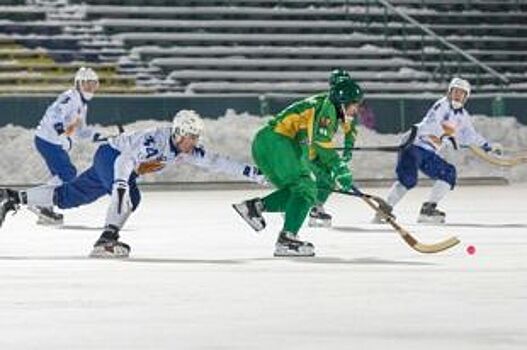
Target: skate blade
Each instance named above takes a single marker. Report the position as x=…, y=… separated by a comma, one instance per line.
x=104, y=253
x=377, y=221
x=313, y=222
x=49, y=222
x=284, y=252
x=431, y=220
x=257, y=225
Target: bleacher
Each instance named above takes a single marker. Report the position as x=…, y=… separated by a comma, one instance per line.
x=41, y=54
x=282, y=46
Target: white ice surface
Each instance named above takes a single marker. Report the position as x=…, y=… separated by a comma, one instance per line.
x=199, y=278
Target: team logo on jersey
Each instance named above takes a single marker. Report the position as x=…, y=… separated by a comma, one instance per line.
x=324, y=122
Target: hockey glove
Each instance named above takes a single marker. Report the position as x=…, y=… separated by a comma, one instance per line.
x=65, y=143
x=495, y=148
x=342, y=176
x=346, y=155
x=254, y=174
x=97, y=137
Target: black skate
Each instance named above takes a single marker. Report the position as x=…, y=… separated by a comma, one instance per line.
x=288, y=245
x=318, y=217
x=379, y=218
x=108, y=245
x=9, y=201
x=429, y=214
x=251, y=212
x=46, y=216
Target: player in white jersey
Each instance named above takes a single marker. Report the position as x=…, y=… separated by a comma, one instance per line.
x=63, y=119
x=446, y=122
x=115, y=168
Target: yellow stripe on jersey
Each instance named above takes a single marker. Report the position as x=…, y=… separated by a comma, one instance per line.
x=291, y=124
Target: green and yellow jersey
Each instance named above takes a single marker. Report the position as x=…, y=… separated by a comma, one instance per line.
x=313, y=123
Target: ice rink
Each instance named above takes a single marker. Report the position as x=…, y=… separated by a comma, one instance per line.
x=200, y=278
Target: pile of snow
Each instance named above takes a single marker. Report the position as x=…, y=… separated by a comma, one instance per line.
x=231, y=135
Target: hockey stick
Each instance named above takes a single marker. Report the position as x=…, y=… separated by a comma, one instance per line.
x=499, y=161
x=405, y=234
x=406, y=143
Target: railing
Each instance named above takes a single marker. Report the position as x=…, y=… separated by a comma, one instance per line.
x=444, y=44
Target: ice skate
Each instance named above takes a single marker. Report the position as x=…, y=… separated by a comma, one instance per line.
x=8, y=202
x=47, y=217
x=288, y=245
x=429, y=214
x=379, y=218
x=318, y=217
x=251, y=212
x=108, y=245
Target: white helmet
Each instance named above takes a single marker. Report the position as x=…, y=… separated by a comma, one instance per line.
x=84, y=75
x=460, y=84
x=187, y=122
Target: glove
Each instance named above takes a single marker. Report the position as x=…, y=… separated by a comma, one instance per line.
x=346, y=155
x=495, y=148
x=65, y=143
x=342, y=176
x=97, y=137
x=149, y=167
x=254, y=174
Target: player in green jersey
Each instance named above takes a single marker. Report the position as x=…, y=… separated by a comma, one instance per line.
x=318, y=217
x=284, y=149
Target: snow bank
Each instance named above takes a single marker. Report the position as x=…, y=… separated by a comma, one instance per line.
x=231, y=135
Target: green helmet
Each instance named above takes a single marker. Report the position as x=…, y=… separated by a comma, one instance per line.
x=337, y=74
x=344, y=92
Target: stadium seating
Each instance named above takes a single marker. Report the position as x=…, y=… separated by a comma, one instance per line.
x=257, y=46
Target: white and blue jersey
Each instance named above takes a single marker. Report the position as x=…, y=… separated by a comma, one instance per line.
x=441, y=125
x=153, y=149
x=123, y=159
x=443, y=122
x=66, y=117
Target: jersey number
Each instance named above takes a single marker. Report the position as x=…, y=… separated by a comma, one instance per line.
x=150, y=151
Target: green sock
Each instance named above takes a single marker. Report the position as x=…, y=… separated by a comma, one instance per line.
x=276, y=201
x=296, y=211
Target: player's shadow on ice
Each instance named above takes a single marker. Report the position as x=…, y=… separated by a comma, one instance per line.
x=85, y=228
x=309, y=260
x=359, y=261
x=313, y=260
x=505, y=226
x=361, y=229
x=43, y=258
x=185, y=261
